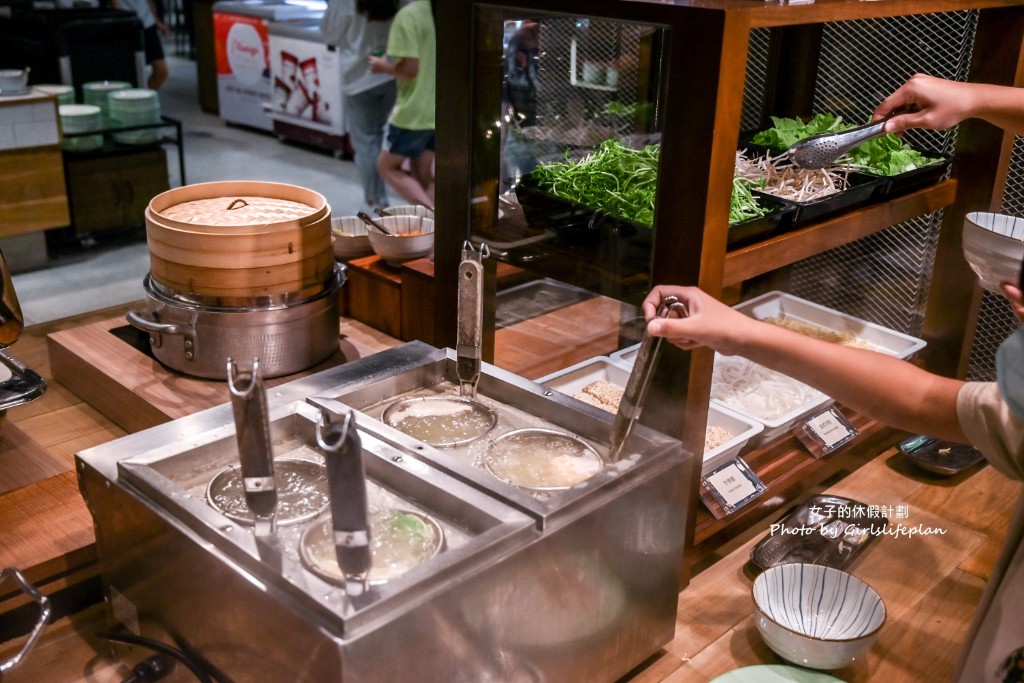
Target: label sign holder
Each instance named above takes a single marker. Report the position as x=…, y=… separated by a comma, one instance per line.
x=729, y=487
x=826, y=432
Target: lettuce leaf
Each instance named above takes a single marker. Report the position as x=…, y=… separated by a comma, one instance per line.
x=785, y=131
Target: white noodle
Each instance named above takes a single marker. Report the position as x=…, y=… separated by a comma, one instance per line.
x=758, y=391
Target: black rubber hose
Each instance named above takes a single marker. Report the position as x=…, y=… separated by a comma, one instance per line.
x=163, y=648
x=151, y=669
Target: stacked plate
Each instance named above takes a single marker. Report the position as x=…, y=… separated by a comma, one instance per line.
x=135, y=107
x=65, y=94
x=97, y=93
x=81, y=118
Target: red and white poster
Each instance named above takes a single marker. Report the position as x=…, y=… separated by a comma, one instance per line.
x=243, y=69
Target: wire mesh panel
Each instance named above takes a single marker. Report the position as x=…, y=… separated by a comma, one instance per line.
x=885, y=277
x=757, y=69
x=586, y=93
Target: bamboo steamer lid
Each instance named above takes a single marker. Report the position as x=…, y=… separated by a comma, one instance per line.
x=224, y=239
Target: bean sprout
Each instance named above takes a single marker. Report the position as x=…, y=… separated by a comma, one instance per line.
x=790, y=182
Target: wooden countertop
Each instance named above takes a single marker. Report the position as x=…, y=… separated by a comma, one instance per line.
x=930, y=583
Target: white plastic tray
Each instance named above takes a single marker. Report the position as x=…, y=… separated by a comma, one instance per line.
x=777, y=426
x=772, y=428
x=571, y=380
x=744, y=431
x=782, y=305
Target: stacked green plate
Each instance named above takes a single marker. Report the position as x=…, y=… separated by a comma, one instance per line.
x=97, y=93
x=65, y=94
x=135, y=107
x=81, y=118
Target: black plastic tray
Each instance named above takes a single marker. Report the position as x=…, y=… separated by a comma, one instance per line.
x=546, y=211
x=754, y=230
x=862, y=190
x=911, y=181
x=827, y=530
x=941, y=457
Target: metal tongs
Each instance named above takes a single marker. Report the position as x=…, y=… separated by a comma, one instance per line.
x=635, y=394
x=822, y=150
x=337, y=435
x=469, y=340
x=252, y=427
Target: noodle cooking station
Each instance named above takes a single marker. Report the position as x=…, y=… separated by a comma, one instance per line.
x=577, y=581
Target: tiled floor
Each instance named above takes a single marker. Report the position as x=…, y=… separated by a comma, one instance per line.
x=111, y=273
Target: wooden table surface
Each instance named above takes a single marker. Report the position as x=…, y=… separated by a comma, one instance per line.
x=930, y=583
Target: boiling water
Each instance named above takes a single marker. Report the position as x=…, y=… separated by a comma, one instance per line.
x=399, y=541
x=301, y=491
x=540, y=459
x=441, y=421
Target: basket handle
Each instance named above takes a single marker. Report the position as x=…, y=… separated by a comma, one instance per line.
x=232, y=206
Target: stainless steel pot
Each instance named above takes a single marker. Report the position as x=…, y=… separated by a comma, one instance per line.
x=197, y=339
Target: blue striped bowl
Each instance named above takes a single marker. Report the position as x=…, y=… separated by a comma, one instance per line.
x=817, y=616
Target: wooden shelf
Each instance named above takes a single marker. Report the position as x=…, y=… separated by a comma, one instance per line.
x=776, y=252
x=765, y=14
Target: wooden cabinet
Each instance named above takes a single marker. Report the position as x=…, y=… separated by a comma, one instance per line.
x=32, y=194
x=112, y=190
x=698, y=61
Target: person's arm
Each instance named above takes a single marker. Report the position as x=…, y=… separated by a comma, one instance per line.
x=405, y=67
x=939, y=104
x=874, y=384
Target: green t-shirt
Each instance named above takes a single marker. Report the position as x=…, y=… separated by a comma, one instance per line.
x=412, y=36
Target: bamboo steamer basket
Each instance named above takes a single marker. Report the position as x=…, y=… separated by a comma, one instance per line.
x=233, y=241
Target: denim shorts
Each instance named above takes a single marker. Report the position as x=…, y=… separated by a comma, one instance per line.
x=409, y=143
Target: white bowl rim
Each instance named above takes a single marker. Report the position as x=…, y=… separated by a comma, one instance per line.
x=972, y=219
x=869, y=634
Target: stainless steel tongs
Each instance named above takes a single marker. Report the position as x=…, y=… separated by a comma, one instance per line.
x=822, y=150
x=635, y=394
x=469, y=340
x=252, y=427
x=337, y=435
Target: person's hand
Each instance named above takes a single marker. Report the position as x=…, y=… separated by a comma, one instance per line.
x=709, y=322
x=931, y=102
x=163, y=28
x=1016, y=297
x=379, y=65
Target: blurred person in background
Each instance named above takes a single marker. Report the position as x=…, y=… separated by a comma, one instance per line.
x=152, y=29
x=359, y=29
x=410, y=58
x=988, y=415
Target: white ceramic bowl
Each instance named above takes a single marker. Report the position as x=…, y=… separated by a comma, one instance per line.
x=816, y=616
x=412, y=238
x=994, y=246
x=409, y=210
x=350, y=238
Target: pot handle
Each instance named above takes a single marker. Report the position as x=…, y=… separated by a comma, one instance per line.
x=145, y=322
x=37, y=630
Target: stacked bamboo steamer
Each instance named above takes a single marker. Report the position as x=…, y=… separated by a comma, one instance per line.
x=234, y=243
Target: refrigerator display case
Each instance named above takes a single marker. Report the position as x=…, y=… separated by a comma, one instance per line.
x=241, y=46
x=306, y=105
x=551, y=83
